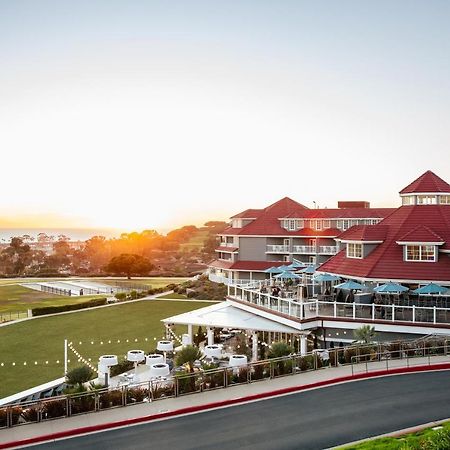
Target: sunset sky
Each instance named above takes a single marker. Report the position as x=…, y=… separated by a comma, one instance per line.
x=155, y=114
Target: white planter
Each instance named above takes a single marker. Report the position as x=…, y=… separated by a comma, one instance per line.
x=238, y=360
x=165, y=346
x=159, y=370
x=186, y=339
x=136, y=356
x=212, y=351
x=108, y=360
x=154, y=359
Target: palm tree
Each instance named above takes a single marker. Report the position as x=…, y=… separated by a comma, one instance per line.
x=365, y=334
x=187, y=355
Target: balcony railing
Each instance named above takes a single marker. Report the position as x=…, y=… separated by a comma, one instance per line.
x=314, y=308
x=328, y=249
x=304, y=249
x=278, y=249
x=227, y=244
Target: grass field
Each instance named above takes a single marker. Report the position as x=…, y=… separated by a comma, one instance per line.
x=14, y=297
x=406, y=442
x=173, y=296
x=196, y=241
x=19, y=298
x=41, y=340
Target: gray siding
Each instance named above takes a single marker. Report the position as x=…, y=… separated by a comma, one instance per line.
x=252, y=249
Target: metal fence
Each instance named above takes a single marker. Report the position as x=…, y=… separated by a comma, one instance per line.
x=361, y=358
x=13, y=315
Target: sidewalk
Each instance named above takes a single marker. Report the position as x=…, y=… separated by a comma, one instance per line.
x=19, y=433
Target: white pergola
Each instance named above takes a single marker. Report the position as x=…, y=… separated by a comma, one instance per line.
x=227, y=315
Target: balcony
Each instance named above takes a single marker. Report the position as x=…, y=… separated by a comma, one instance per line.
x=227, y=244
x=277, y=249
x=311, y=249
x=304, y=249
x=328, y=250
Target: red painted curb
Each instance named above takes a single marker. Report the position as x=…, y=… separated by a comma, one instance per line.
x=206, y=406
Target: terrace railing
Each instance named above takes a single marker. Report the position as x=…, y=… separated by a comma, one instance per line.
x=277, y=249
x=312, y=308
x=363, y=357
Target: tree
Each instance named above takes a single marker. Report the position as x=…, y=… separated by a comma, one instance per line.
x=79, y=375
x=279, y=349
x=129, y=264
x=16, y=257
x=365, y=334
x=188, y=355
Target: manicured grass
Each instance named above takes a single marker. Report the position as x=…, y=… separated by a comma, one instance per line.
x=18, y=298
x=155, y=282
x=173, y=296
x=406, y=442
x=42, y=339
x=196, y=241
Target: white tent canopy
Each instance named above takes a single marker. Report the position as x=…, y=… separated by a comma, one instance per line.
x=226, y=315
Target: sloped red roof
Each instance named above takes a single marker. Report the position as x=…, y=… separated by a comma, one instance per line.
x=226, y=249
x=365, y=233
x=421, y=234
x=428, y=182
x=248, y=214
x=343, y=213
x=386, y=260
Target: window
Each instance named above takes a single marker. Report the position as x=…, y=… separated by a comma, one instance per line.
x=326, y=224
x=426, y=199
x=444, y=199
x=318, y=224
x=345, y=224
x=339, y=224
x=420, y=253
x=292, y=225
x=409, y=200
x=301, y=224
x=354, y=251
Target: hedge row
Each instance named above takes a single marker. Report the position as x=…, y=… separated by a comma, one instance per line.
x=57, y=309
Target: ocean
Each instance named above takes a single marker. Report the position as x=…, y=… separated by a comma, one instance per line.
x=75, y=234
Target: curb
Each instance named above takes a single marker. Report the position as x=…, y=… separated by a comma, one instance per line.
x=219, y=404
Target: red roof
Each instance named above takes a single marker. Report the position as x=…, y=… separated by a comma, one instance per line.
x=226, y=249
x=364, y=233
x=268, y=221
x=428, y=182
x=385, y=262
x=421, y=234
x=248, y=214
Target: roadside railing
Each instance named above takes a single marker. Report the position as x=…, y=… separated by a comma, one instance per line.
x=359, y=357
x=311, y=308
x=13, y=315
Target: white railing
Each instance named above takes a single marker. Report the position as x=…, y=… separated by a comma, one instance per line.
x=277, y=249
x=227, y=244
x=328, y=249
x=304, y=249
x=311, y=308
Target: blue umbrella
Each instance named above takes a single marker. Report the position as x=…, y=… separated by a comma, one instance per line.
x=274, y=270
x=350, y=285
x=323, y=277
x=430, y=289
x=288, y=275
x=296, y=265
x=285, y=268
x=390, y=288
x=309, y=270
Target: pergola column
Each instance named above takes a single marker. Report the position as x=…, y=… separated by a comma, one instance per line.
x=190, y=332
x=210, y=335
x=254, y=346
x=303, y=344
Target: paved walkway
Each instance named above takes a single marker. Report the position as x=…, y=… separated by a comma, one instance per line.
x=134, y=411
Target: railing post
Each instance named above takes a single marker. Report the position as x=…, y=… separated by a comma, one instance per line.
x=290, y=308
x=414, y=313
x=354, y=311
x=434, y=314
x=373, y=311
x=335, y=309
x=393, y=312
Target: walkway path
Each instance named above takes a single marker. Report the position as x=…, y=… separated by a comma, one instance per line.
x=130, y=412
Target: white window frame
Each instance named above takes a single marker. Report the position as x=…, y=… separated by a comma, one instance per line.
x=420, y=247
x=318, y=225
x=351, y=250
x=446, y=199
x=326, y=224
x=291, y=225
x=427, y=199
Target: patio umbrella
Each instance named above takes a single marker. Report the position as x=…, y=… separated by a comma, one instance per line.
x=431, y=289
x=309, y=270
x=390, y=288
x=296, y=265
x=350, y=285
x=323, y=277
x=273, y=270
x=288, y=276
x=285, y=268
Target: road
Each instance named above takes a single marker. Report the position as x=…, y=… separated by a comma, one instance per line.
x=314, y=419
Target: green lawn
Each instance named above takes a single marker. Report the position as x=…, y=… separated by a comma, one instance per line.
x=14, y=297
x=42, y=339
x=406, y=442
x=196, y=241
x=173, y=296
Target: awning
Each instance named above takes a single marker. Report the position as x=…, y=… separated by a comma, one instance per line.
x=226, y=315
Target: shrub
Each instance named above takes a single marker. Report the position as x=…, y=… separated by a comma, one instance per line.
x=54, y=408
x=79, y=375
x=121, y=367
x=82, y=404
x=187, y=355
x=31, y=414
x=136, y=395
x=109, y=399
x=57, y=309
x=121, y=296
x=279, y=349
